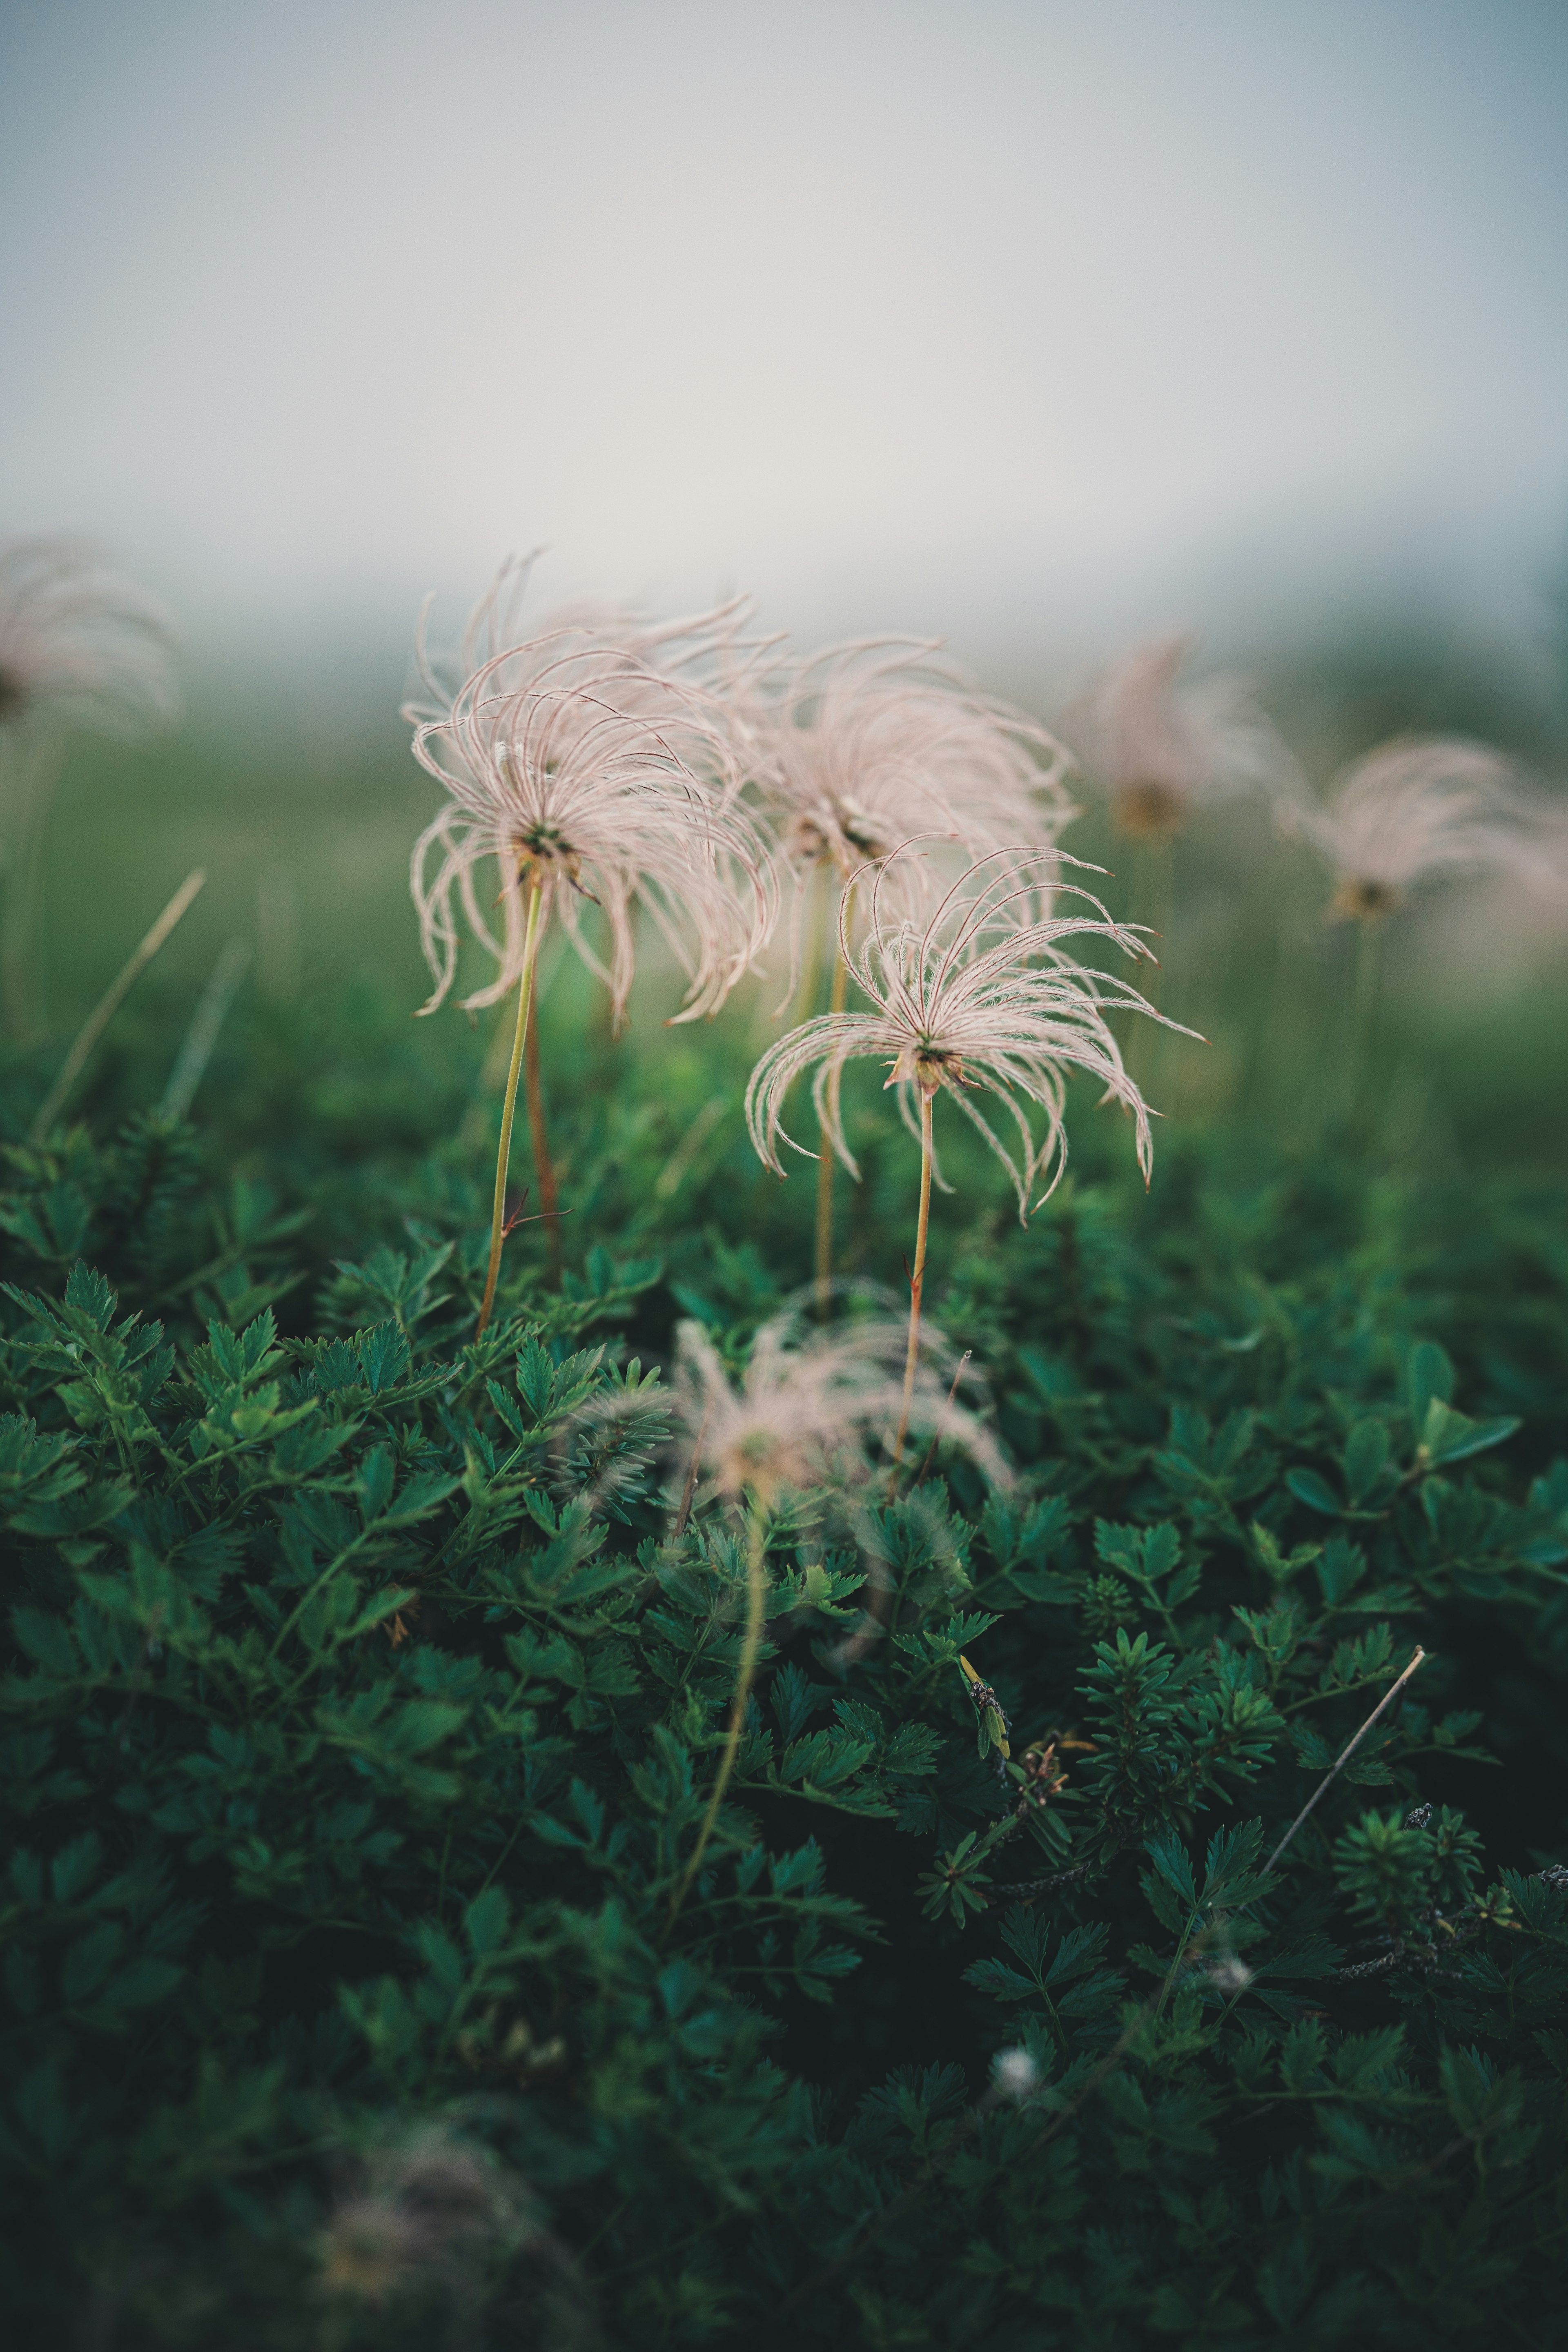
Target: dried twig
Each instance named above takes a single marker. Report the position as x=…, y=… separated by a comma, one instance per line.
x=1340, y=1762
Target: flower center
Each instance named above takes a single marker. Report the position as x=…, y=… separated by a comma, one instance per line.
x=929, y=1066
x=544, y=846
x=1363, y=901
x=843, y=831
x=1148, y=812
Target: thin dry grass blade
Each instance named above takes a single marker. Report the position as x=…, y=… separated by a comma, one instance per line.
x=109, y=1005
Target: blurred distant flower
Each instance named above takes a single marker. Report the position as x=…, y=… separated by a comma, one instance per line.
x=1409, y=813
x=1017, y=2074
x=433, y=2211
x=1160, y=750
x=801, y=1412
x=872, y=741
x=982, y=999
x=78, y=643
x=800, y=1415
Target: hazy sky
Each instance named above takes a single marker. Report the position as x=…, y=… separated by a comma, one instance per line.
x=963, y=317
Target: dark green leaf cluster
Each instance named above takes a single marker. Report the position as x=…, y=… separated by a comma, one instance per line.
x=363, y=1693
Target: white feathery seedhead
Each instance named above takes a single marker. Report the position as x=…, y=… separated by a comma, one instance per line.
x=984, y=999
x=1413, y=809
x=1017, y=2074
x=871, y=741
x=1160, y=749
x=800, y=1413
x=574, y=763
x=77, y=642
x=716, y=650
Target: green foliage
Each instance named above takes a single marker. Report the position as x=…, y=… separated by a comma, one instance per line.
x=362, y=1703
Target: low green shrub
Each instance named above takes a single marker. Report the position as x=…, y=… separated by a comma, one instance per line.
x=359, y=1711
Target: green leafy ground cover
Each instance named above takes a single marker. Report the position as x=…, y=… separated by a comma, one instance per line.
x=353, y=1752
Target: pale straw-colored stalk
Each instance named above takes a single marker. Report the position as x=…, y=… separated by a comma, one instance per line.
x=109, y=1005
x=826, y=1163
x=917, y=1286
x=539, y=1136
x=509, y=1105
x=1338, y=1766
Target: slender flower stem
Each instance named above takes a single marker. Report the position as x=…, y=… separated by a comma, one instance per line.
x=937, y=1433
x=917, y=1285
x=544, y=1166
x=1365, y=990
x=1341, y=1761
x=825, y=1162
x=509, y=1108
x=745, y=1675
x=1152, y=898
x=32, y=770
x=109, y=1005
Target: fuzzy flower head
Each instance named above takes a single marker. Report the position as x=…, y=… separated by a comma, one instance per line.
x=802, y=1412
x=872, y=741
x=578, y=767
x=1160, y=750
x=429, y=2206
x=983, y=1000
x=717, y=650
x=1016, y=2075
x=1409, y=813
x=76, y=642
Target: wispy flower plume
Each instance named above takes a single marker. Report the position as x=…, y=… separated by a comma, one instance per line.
x=77, y=646
x=982, y=999
x=578, y=767
x=588, y=774
x=1161, y=748
x=77, y=642
x=869, y=742
x=1407, y=813
x=801, y=1412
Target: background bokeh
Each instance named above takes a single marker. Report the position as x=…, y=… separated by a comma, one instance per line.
x=1027, y=326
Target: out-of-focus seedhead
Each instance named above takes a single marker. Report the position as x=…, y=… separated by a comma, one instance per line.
x=78, y=643
x=1160, y=749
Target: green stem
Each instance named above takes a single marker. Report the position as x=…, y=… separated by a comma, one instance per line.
x=745, y=1675
x=544, y=1165
x=1365, y=989
x=917, y=1286
x=509, y=1109
x=1151, y=897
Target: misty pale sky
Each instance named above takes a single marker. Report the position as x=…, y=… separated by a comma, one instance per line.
x=953, y=318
